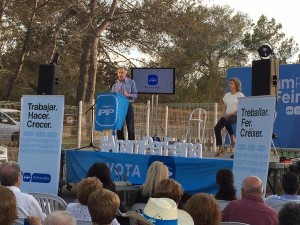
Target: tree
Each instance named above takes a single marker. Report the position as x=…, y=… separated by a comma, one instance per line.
x=205, y=41
x=89, y=56
x=25, y=48
x=268, y=31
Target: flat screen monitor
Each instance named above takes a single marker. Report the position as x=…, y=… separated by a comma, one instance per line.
x=154, y=80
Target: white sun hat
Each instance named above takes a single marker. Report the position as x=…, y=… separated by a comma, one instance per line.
x=161, y=211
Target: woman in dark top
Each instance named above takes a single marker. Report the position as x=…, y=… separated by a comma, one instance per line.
x=102, y=172
x=225, y=180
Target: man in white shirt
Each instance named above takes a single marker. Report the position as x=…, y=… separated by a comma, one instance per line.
x=27, y=205
x=290, y=186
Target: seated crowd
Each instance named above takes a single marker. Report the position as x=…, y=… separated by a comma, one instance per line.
x=160, y=199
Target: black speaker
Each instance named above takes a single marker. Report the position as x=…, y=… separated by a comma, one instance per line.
x=48, y=79
x=265, y=77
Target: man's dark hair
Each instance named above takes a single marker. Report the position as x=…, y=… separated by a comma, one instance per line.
x=9, y=173
x=289, y=214
x=290, y=183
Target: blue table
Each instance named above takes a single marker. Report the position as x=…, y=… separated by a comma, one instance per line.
x=195, y=175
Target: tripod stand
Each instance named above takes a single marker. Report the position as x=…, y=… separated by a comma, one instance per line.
x=91, y=145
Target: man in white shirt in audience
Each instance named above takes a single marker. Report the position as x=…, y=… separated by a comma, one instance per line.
x=27, y=205
x=290, y=187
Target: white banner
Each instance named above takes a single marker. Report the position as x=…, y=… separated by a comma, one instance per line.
x=253, y=138
x=40, y=142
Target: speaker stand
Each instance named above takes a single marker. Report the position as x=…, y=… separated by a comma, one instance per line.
x=91, y=144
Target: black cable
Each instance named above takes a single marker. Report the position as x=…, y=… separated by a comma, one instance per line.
x=282, y=158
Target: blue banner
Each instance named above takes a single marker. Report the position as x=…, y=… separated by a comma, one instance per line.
x=195, y=175
x=287, y=121
x=111, y=111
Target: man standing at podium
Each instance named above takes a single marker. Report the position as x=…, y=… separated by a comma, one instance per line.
x=126, y=86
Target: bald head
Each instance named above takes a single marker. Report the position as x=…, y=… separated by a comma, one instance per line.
x=252, y=185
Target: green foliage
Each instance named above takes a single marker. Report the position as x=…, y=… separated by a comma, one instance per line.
x=200, y=42
x=268, y=31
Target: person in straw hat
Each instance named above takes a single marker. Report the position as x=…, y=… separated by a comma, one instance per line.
x=160, y=211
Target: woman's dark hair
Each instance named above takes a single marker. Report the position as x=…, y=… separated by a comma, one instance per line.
x=224, y=179
x=102, y=172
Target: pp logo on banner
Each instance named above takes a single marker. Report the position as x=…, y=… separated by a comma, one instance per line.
x=152, y=79
x=27, y=177
x=168, y=161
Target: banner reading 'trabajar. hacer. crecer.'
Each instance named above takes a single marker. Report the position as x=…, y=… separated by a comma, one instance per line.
x=40, y=142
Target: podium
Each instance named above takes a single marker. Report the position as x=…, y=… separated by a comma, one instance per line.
x=111, y=111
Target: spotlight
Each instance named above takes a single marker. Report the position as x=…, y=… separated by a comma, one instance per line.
x=265, y=51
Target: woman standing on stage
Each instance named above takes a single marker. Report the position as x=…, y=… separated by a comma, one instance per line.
x=229, y=117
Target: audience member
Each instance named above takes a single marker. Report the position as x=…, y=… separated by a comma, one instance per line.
x=289, y=214
x=295, y=168
x=204, y=209
x=60, y=218
x=157, y=171
x=103, y=205
x=27, y=205
x=225, y=181
x=102, y=172
x=290, y=187
x=169, y=188
x=251, y=209
x=161, y=211
x=85, y=187
x=8, y=206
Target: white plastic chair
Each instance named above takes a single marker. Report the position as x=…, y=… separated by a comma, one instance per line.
x=49, y=203
x=278, y=206
x=222, y=204
x=139, y=208
x=3, y=153
x=198, y=115
x=233, y=223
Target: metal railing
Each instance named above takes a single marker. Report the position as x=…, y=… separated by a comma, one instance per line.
x=171, y=120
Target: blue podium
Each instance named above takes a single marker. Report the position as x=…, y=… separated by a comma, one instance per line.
x=111, y=111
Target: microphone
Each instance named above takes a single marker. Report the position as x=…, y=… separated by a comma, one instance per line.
x=110, y=86
x=117, y=171
x=112, y=83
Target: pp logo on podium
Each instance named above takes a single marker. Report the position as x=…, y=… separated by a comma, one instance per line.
x=106, y=110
